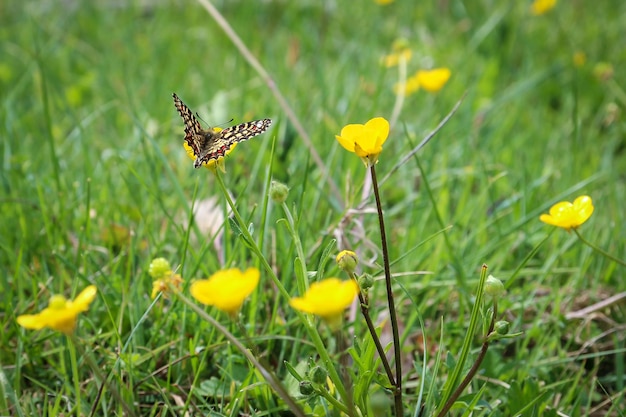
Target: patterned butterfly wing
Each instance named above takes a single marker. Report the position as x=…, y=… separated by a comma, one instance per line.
x=208, y=144
x=220, y=142
x=192, y=126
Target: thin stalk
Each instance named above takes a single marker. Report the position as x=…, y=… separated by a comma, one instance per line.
x=397, y=394
x=304, y=319
x=372, y=329
x=472, y=372
x=269, y=376
x=597, y=249
x=273, y=87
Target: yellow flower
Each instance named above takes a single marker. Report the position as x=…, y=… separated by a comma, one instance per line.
x=394, y=58
x=212, y=164
x=411, y=85
x=433, y=80
x=162, y=285
x=540, y=7
x=569, y=215
x=365, y=140
x=226, y=289
x=327, y=299
x=383, y=2
x=579, y=58
x=60, y=314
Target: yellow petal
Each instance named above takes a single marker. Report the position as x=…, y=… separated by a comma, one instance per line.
x=226, y=289
x=433, y=80
x=380, y=126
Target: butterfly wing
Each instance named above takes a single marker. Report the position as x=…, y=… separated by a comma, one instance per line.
x=192, y=126
x=223, y=140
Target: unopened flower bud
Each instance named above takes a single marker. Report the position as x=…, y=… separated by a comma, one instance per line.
x=159, y=268
x=306, y=388
x=494, y=287
x=366, y=281
x=318, y=375
x=502, y=327
x=278, y=192
x=347, y=261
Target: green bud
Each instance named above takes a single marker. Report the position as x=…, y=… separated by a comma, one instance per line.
x=278, y=192
x=318, y=375
x=494, y=287
x=366, y=281
x=159, y=268
x=502, y=327
x=306, y=388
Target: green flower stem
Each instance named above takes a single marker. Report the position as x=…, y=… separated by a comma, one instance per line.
x=269, y=376
x=304, y=319
x=597, y=249
x=455, y=375
x=291, y=225
x=99, y=377
x=472, y=372
x=372, y=329
x=74, y=366
x=397, y=394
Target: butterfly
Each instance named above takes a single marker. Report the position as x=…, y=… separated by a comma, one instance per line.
x=209, y=144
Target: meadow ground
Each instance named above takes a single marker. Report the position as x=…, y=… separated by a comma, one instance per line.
x=96, y=185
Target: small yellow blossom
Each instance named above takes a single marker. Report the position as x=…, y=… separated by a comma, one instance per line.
x=212, y=164
x=383, y=2
x=226, y=289
x=162, y=285
x=540, y=7
x=327, y=299
x=411, y=85
x=579, y=58
x=347, y=261
x=365, y=140
x=569, y=215
x=394, y=58
x=60, y=314
x=433, y=80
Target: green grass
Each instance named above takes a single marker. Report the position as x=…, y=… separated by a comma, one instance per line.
x=95, y=184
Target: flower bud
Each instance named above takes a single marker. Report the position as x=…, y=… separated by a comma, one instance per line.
x=278, y=192
x=318, y=375
x=159, y=268
x=366, y=281
x=494, y=287
x=306, y=388
x=347, y=261
x=502, y=327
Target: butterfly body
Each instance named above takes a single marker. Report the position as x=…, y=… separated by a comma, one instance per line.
x=212, y=144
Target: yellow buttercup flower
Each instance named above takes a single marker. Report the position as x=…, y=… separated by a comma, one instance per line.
x=226, y=289
x=579, y=58
x=212, y=164
x=433, y=80
x=569, y=215
x=383, y=2
x=540, y=7
x=60, y=314
x=411, y=85
x=365, y=140
x=327, y=299
x=394, y=58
